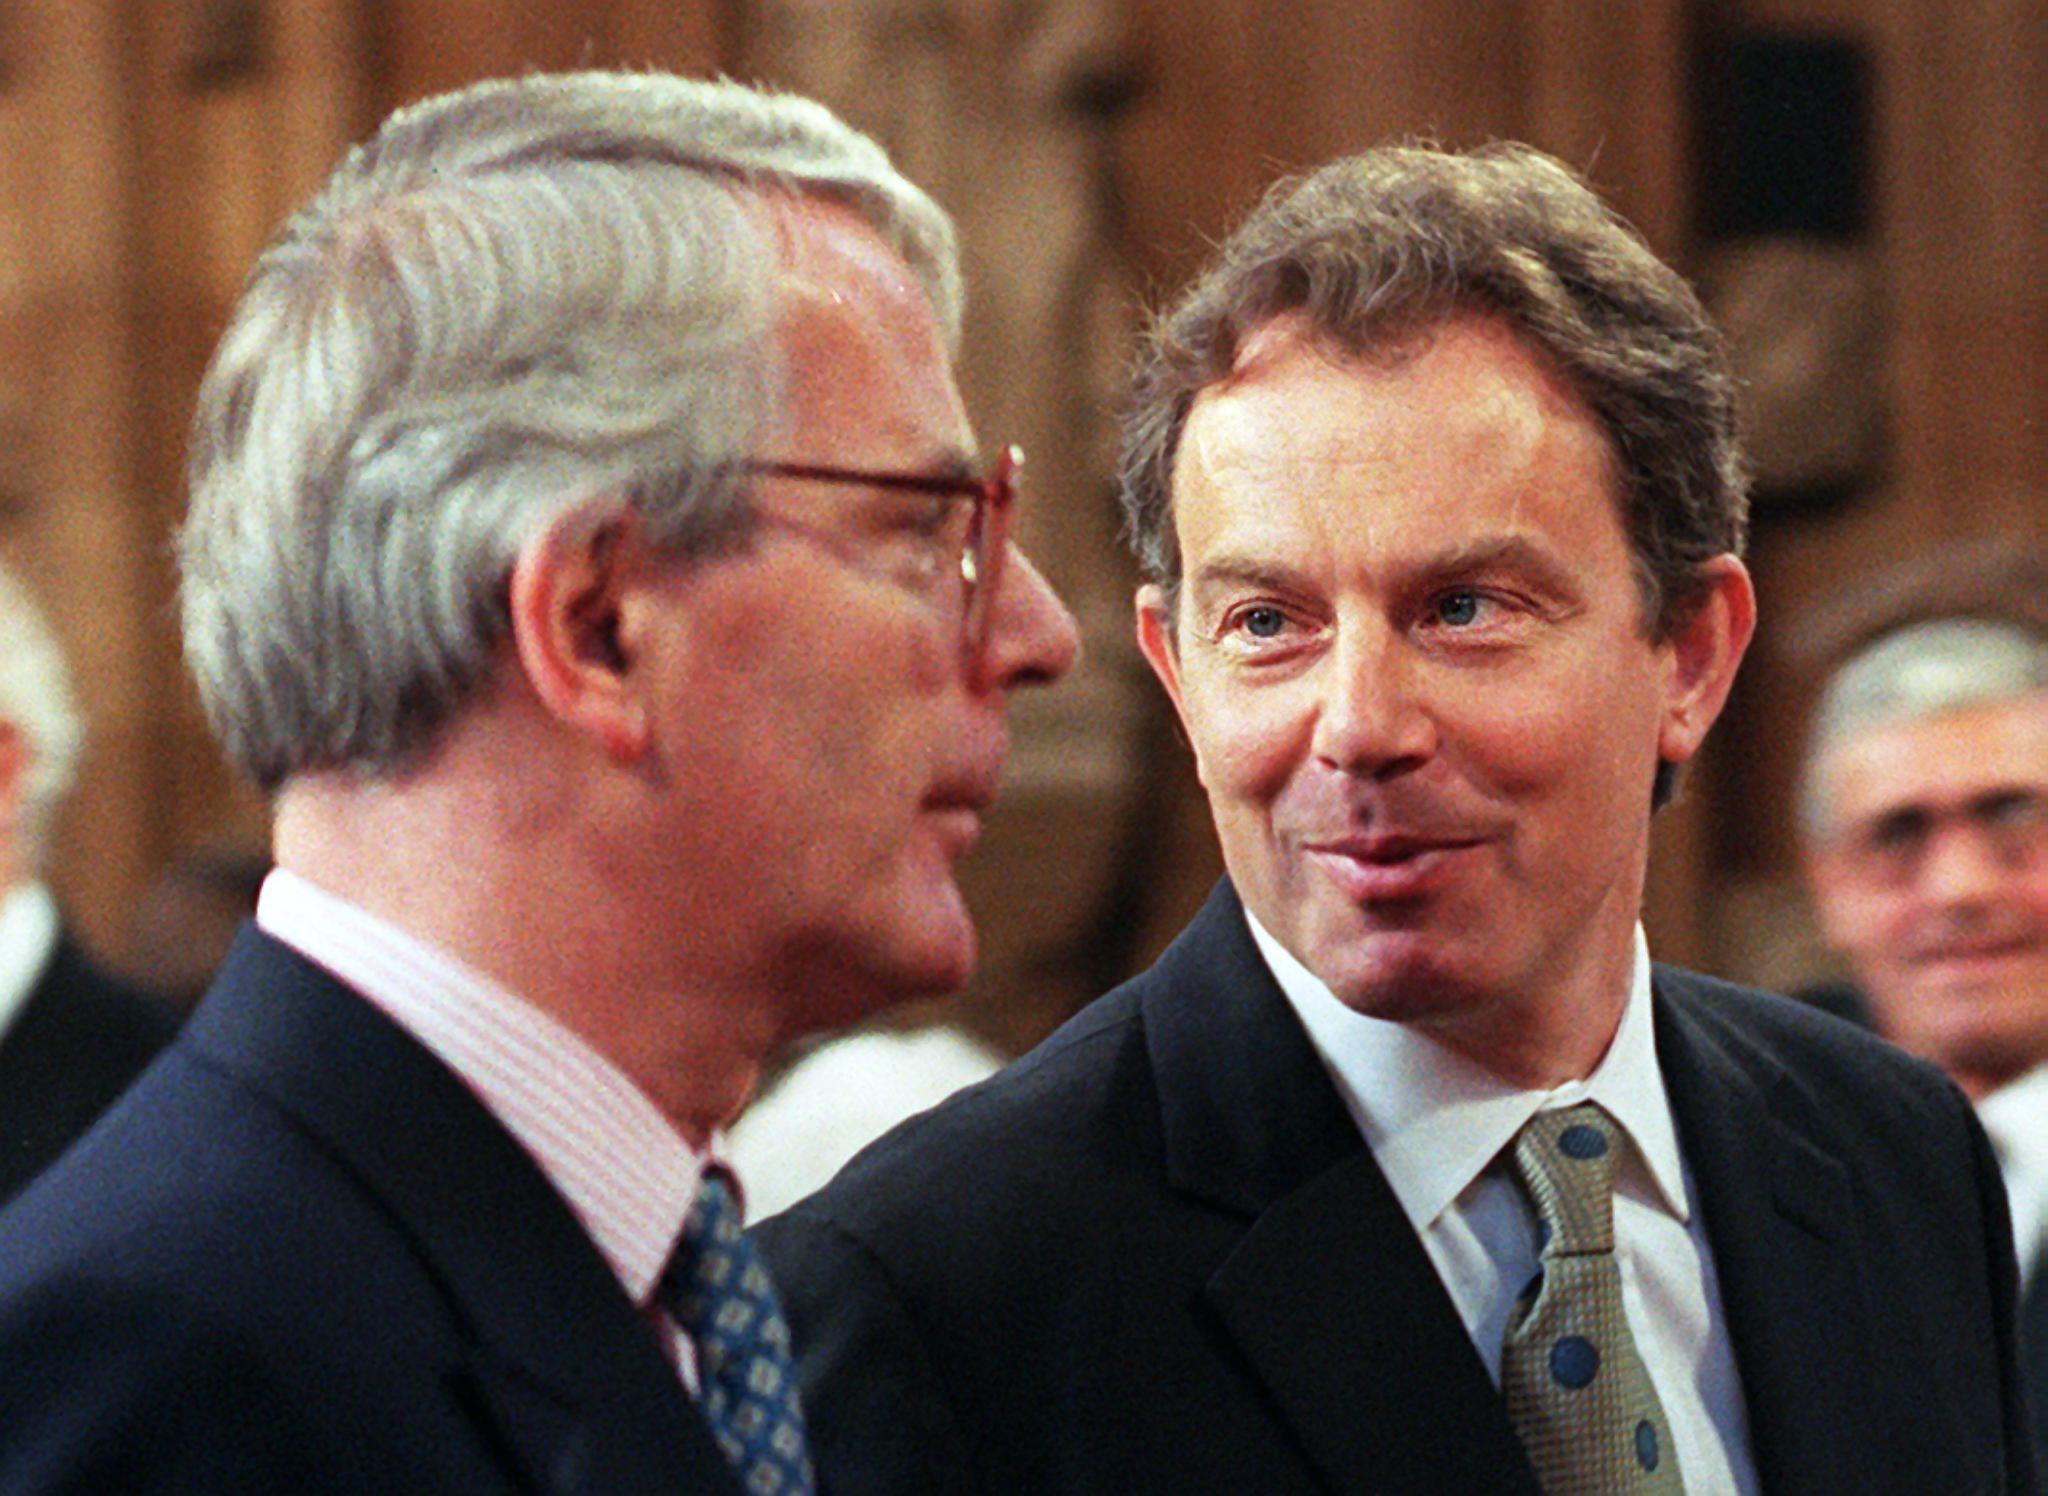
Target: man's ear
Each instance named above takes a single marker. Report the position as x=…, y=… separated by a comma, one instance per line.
x=568, y=598
x=1160, y=645
x=1705, y=648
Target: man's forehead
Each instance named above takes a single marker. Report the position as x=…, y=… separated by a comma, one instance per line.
x=1466, y=414
x=1943, y=759
x=1473, y=363
x=828, y=251
x=864, y=352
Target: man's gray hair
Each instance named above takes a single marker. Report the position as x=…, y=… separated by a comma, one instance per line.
x=37, y=701
x=523, y=300
x=1923, y=670
x=1375, y=250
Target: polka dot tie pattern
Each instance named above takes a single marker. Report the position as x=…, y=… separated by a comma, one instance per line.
x=717, y=1289
x=1576, y=1389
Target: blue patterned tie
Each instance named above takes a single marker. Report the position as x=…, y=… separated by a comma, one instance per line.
x=718, y=1291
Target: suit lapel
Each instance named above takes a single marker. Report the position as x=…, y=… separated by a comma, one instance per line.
x=1776, y=1205
x=563, y=1366
x=1329, y=1297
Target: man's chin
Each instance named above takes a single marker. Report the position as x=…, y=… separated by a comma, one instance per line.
x=2008, y=1049
x=846, y=981
x=1400, y=978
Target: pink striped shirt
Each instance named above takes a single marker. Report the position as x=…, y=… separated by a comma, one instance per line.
x=625, y=1172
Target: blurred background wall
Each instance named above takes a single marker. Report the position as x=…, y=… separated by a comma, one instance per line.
x=1856, y=183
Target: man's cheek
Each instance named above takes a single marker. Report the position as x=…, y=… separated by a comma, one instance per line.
x=1245, y=748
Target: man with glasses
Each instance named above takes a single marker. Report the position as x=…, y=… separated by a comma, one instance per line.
x=587, y=551
x=1924, y=823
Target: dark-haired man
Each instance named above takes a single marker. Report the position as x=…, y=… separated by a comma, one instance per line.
x=1404, y=1169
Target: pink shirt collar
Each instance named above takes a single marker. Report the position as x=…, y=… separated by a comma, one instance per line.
x=628, y=1175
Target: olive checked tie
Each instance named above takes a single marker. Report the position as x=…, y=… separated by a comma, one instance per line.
x=718, y=1291
x=1576, y=1389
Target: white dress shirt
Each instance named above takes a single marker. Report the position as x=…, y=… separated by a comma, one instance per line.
x=624, y=1171
x=1439, y=1125
x=2016, y=1118
x=28, y=939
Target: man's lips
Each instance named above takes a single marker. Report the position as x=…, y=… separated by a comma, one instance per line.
x=959, y=825
x=1962, y=956
x=1389, y=865
x=955, y=806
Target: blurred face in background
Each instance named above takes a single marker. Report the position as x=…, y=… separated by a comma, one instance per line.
x=1931, y=876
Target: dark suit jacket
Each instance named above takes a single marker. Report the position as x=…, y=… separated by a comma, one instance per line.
x=1844, y=1000
x=2034, y=1355
x=300, y=1256
x=1155, y=1255
x=79, y=1040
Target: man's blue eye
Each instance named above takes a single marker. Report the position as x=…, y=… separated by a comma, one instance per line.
x=1458, y=608
x=1264, y=623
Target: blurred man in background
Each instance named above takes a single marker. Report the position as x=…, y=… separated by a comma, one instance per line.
x=1924, y=819
x=589, y=550
x=71, y=1036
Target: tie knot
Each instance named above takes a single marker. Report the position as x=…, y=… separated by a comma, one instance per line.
x=718, y=1292
x=714, y=1218
x=714, y=1263
x=1566, y=1162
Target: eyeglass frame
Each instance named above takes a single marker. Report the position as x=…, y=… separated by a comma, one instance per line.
x=1893, y=860
x=994, y=496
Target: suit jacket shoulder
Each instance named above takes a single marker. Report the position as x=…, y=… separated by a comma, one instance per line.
x=1850, y=1005
x=1098, y=1270
x=1156, y=1254
x=299, y=1255
x=1861, y=1241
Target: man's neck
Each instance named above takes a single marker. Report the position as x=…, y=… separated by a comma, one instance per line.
x=1978, y=1084
x=1541, y=1042
x=528, y=906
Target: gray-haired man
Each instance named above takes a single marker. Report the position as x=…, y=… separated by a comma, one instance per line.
x=1924, y=819
x=587, y=547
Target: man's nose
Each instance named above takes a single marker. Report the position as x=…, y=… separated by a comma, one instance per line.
x=1960, y=865
x=1372, y=715
x=1033, y=639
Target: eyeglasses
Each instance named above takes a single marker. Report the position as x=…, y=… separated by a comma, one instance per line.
x=972, y=536
x=2011, y=825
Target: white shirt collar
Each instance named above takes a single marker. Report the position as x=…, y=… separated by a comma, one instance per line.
x=1435, y=1121
x=628, y=1175
x=28, y=939
x=2015, y=1116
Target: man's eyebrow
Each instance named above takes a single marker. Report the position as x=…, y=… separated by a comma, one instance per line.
x=1516, y=553
x=1929, y=803
x=1246, y=571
